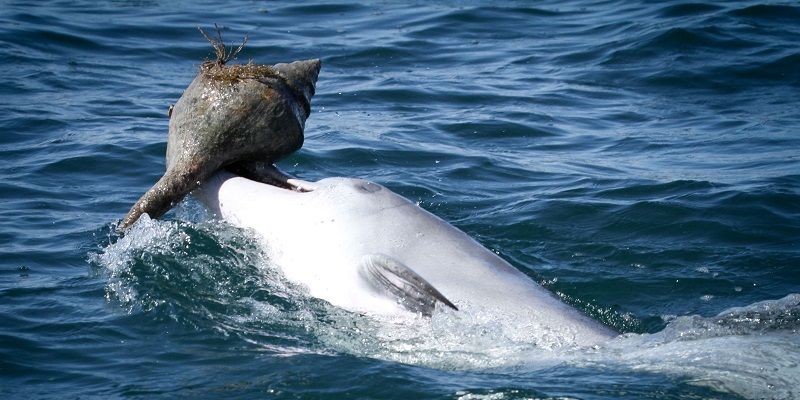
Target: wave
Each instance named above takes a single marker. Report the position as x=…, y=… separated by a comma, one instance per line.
x=768, y=12
x=688, y=9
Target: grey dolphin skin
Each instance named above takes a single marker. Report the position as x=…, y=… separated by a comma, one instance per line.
x=239, y=117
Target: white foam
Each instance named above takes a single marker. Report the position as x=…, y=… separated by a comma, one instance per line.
x=152, y=235
x=750, y=351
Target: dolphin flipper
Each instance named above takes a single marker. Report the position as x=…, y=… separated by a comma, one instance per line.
x=403, y=284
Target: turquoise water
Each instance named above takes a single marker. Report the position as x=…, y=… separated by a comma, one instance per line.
x=640, y=159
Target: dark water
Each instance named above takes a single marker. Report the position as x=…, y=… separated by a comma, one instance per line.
x=641, y=159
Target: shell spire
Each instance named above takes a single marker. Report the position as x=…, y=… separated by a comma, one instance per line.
x=302, y=76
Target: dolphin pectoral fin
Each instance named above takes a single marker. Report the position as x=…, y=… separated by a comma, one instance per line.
x=401, y=283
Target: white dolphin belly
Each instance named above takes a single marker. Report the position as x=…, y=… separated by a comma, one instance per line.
x=320, y=239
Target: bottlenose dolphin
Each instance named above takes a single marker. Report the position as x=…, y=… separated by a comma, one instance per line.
x=361, y=247
x=351, y=242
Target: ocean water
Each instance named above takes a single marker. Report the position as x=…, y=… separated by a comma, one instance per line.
x=640, y=159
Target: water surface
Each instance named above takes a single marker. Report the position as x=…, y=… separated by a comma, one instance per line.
x=640, y=159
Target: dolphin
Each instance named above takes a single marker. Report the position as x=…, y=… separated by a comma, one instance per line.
x=351, y=242
x=366, y=249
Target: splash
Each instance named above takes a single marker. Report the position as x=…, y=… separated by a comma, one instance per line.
x=213, y=278
x=471, y=338
x=749, y=351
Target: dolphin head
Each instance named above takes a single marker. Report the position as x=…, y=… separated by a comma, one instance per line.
x=230, y=114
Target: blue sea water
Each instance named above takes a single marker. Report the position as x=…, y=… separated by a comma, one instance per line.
x=640, y=159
